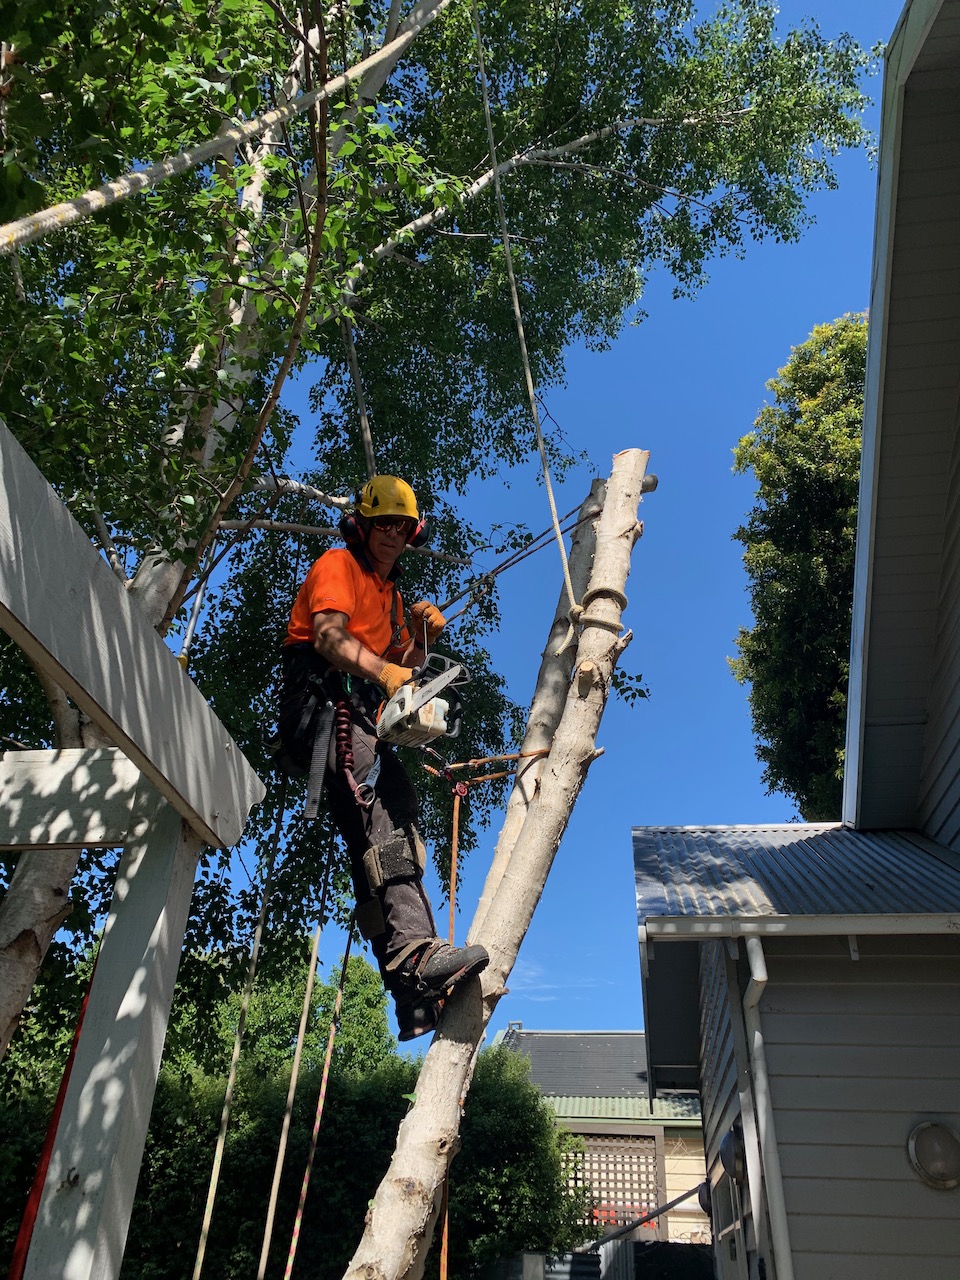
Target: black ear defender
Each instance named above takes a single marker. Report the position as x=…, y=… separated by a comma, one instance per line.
x=349, y=526
x=422, y=533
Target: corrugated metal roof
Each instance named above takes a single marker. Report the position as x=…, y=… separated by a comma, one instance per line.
x=668, y=1107
x=799, y=871
x=591, y=1064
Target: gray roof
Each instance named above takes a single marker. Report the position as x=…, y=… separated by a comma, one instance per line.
x=589, y=1078
x=587, y=1064
x=799, y=877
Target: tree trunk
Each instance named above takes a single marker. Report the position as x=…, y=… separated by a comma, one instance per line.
x=549, y=696
x=401, y=1216
x=32, y=910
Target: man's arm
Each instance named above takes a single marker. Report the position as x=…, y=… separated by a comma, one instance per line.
x=345, y=652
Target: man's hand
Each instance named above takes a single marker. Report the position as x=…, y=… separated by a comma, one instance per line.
x=427, y=616
x=393, y=676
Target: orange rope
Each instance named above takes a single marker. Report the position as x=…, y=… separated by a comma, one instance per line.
x=454, y=841
x=514, y=755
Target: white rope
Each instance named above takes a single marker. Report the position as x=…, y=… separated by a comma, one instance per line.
x=349, y=346
x=518, y=317
x=13, y=235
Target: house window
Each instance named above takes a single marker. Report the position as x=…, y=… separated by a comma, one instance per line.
x=620, y=1173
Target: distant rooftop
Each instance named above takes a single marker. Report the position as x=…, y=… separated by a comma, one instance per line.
x=584, y=1064
x=592, y=1077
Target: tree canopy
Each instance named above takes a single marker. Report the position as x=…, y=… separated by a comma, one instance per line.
x=804, y=451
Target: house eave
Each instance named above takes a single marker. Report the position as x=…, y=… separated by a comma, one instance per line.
x=706, y=928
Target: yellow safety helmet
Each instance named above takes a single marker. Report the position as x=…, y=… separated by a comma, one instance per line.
x=387, y=496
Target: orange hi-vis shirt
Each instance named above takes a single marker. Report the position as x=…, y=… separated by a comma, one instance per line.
x=338, y=583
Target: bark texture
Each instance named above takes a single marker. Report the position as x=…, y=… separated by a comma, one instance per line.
x=402, y=1215
x=546, y=708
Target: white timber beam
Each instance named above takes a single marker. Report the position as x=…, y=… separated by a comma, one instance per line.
x=84, y=1211
x=70, y=614
x=70, y=799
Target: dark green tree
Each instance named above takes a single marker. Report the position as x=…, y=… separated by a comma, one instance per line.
x=508, y=1186
x=508, y=1189
x=799, y=547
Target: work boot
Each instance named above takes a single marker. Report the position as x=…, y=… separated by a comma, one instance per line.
x=435, y=969
x=417, y=1017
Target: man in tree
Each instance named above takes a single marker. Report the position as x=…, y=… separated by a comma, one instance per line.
x=347, y=631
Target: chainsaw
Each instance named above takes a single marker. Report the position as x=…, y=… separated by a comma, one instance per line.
x=416, y=713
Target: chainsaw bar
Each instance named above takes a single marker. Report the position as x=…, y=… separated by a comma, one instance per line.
x=450, y=673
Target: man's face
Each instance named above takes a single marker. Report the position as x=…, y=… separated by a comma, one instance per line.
x=388, y=537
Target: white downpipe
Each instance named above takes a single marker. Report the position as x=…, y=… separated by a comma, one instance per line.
x=776, y=1206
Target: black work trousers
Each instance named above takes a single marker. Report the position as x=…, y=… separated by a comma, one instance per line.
x=392, y=810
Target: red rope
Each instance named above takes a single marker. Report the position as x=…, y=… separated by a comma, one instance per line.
x=25, y=1234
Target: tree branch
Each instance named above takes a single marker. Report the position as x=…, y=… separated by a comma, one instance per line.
x=36, y=225
x=106, y=541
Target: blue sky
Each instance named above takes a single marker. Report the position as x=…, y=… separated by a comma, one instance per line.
x=686, y=384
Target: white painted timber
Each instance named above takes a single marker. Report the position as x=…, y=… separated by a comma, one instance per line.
x=66, y=799
x=62, y=605
x=84, y=1213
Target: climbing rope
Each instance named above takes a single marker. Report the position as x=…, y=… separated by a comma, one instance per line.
x=295, y=1069
x=518, y=317
x=304, y=1186
x=238, y=1037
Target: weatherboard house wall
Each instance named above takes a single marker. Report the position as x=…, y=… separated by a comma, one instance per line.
x=806, y=977
x=859, y=1025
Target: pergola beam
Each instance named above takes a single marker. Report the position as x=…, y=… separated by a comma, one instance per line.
x=62, y=605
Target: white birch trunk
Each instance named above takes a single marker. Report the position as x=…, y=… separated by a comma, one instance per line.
x=401, y=1217
x=546, y=708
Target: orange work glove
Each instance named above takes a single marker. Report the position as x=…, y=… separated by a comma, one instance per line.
x=425, y=614
x=393, y=676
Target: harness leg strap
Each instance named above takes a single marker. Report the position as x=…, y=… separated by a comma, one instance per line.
x=318, y=761
x=400, y=857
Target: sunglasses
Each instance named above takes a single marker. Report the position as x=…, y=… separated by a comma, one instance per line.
x=386, y=523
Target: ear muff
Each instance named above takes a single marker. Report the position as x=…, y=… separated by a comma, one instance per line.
x=349, y=526
x=421, y=535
